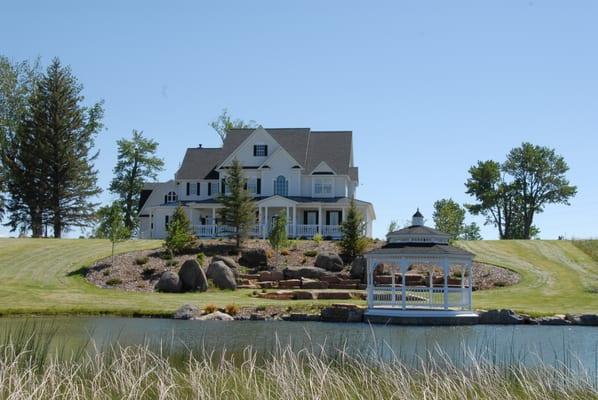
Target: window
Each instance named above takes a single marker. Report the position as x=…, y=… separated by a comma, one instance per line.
x=171, y=197
x=188, y=188
x=310, y=218
x=198, y=188
x=260, y=150
x=252, y=186
x=281, y=186
x=322, y=187
x=166, y=217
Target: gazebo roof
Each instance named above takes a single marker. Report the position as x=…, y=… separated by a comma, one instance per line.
x=434, y=249
x=419, y=230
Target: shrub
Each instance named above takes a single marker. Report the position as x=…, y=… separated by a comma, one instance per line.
x=318, y=238
x=114, y=281
x=106, y=272
x=166, y=256
x=284, y=252
x=210, y=308
x=141, y=260
x=231, y=309
x=179, y=237
x=353, y=242
x=149, y=271
x=310, y=253
x=201, y=258
x=172, y=263
x=261, y=307
x=269, y=253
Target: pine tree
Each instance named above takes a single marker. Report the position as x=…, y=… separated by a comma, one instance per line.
x=278, y=236
x=179, y=236
x=111, y=225
x=353, y=242
x=67, y=130
x=238, y=209
x=136, y=164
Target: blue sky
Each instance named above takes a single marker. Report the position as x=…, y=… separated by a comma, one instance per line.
x=427, y=87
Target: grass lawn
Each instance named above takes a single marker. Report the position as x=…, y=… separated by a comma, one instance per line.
x=38, y=276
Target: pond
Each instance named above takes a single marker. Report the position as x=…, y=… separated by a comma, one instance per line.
x=575, y=347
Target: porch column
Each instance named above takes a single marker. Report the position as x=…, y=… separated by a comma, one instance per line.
x=259, y=221
x=294, y=221
x=403, y=264
x=265, y=222
x=213, y=228
x=445, y=268
x=288, y=221
x=320, y=218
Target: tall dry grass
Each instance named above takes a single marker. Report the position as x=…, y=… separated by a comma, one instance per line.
x=140, y=372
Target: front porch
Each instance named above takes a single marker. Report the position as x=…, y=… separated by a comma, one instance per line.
x=262, y=230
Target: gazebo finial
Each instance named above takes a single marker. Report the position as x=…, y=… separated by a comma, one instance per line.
x=418, y=218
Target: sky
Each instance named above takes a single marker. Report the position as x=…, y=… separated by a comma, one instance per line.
x=427, y=87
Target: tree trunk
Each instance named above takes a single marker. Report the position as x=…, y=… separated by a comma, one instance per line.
x=112, y=262
x=57, y=227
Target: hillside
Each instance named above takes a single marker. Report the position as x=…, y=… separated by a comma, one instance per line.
x=39, y=276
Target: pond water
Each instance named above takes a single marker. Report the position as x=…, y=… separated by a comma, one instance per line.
x=573, y=346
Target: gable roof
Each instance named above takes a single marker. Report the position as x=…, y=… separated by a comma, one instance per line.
x=308, y=147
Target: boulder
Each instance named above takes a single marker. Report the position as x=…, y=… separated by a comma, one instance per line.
x=216, y=316
x=222, y=276
x=169, y=282
x=303, y=272
x=267, y=285
x=192, y=276
x=334, y=295
x=588, y=319
x=553, y=320
x=187, y=311
x=341, y=313
x=254, y=258
x=359, y=268
x=289, y=284
x=303, y=295
x=500, y=317
x=271, y=276
x=313, y=284
x=329, y=261
x=227, y=260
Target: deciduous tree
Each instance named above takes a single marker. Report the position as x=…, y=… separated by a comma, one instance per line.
x=448, y=217
x=278, y=235
x=224, y=123
x=111, y=225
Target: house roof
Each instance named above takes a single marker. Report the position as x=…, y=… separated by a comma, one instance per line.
x=308, y=147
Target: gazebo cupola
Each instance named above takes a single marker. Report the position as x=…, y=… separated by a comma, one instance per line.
x=428, y=277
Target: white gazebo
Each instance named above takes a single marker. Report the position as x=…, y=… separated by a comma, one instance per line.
x=429, y=278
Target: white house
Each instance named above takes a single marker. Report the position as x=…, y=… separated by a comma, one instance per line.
x=308, y=174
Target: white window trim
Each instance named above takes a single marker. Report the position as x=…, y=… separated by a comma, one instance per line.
x=261, y=144
x=322, y=181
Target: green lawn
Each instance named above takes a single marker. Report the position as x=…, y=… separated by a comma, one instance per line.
x=36, y=276
x=556, y=276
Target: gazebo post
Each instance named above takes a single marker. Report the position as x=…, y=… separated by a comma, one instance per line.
x=430, y=283
x=393, y=288
x=445, y=268
x=403, y=265
x=370, y=281
x=469, y=284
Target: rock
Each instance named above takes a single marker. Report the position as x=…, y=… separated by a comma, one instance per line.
x=267, y=284
x=554, y=320
x=334, y=295
x=500, y=317
x=278, y=295
x=341, y=314
x=303, y=295
x=330, y=279
x=221, y=275
x=342, y=285
x=254, y=258
x=359, y=268
x=187, y=311
x=301, y=317
x=271, y=276
x=588, y=319
x=216, y=316
x=251, y=286
x=303, y=272
x=169, y=282
x=192, y=276
x=313, y=284
x=290, y=284
x=228, y=261
x=329, y=262
x=252, y=277
x=257, y=317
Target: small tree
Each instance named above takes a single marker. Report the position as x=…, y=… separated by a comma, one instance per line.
x=448, y=217
x=112, y=225
x=353, y=242
x=470, y=232
x=224, y=123
x=238, y=209
x=179, y=237
x=278, y=236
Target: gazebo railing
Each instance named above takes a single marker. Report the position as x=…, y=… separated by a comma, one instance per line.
x=421, y=297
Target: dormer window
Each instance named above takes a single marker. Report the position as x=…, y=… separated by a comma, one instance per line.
x=260, y=150
x=171, y=197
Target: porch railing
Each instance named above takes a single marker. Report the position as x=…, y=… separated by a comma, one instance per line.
x=259, y=230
